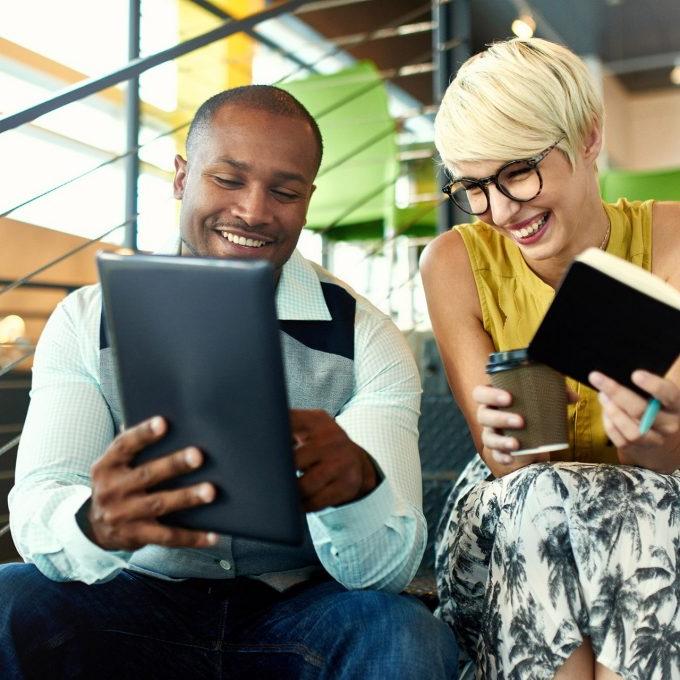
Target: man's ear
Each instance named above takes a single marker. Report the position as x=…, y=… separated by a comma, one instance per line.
x=179, y=182
x=593, y=142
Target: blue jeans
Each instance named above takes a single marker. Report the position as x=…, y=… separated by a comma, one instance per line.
x=141, y=627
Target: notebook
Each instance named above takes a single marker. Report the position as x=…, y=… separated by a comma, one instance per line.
x=196, y=340
x=611, y=316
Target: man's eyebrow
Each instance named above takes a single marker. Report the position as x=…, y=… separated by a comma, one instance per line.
x=278, y=174
x=239, y=165
x=294, y=176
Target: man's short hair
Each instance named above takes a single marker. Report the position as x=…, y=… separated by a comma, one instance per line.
x=514, y=100
x=259, y=97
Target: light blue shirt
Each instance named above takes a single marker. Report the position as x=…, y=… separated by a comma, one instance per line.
x=375, y=542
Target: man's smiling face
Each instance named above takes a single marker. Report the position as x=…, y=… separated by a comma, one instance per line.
x=246, y=185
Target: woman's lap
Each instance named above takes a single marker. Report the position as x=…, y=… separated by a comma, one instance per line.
x=531, y=563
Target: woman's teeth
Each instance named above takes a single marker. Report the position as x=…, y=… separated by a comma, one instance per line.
x=532, y=228
x=242, y=240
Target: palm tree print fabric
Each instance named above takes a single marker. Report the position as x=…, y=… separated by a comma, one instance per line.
x=529, y=564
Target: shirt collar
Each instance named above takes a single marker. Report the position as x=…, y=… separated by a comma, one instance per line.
x=299, y=296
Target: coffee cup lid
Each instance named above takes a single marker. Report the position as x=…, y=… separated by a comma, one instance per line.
x=502, y=361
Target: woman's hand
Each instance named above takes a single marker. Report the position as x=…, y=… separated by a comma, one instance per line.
x=622, y=410
x=499, y=446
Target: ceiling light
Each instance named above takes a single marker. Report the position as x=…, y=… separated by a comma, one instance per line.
x=12, y=328
x=675, y=75
x=524, y=26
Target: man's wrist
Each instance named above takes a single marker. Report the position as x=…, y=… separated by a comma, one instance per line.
x=83, y=520
x=371, y=474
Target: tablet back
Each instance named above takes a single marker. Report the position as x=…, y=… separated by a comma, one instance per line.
x=196, y=340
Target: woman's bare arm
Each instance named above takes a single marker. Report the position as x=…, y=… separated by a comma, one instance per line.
x=464, y=346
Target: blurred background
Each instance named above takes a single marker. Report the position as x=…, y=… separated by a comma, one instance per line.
x=93, y=112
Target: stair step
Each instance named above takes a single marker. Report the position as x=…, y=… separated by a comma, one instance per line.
x=8, y=460
x=13, y=405
x=15, y=384
x=8, y=552
x=5, y=486
x=10, y=428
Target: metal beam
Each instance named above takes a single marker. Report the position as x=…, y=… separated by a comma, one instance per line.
x=132, y=112
x=70, y=287
x=321, y=5
x=649, y=62
x=451, y=47
x=139, y=66
x=383, y=33
x=221, y=14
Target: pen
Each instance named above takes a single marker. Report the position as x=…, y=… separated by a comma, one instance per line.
x=649, y=416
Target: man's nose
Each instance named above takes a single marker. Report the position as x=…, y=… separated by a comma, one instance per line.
x=253, y=206
x=503, y=209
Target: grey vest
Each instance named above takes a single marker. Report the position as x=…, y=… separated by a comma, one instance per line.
x=318, y=360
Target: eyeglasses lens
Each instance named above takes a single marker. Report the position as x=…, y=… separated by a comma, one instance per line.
x=519, y=180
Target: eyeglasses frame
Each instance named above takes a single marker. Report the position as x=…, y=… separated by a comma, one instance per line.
x=484, y=182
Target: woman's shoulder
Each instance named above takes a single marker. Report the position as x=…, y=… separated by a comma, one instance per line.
x=444, y=267
x=666, y=214
x=445, y=253
x=666, y=241
x=477, y=244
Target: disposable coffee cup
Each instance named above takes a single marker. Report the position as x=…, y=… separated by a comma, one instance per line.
x=539, y=395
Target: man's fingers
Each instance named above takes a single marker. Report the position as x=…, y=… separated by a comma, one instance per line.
x=139, y=534
x=305, y=421
x=161, y=469
x=131, y=441
x=308, y=455
x=152, y=505
x=331, y=495
x=316, y=478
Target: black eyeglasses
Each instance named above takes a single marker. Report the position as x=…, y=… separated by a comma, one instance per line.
x=518, y=180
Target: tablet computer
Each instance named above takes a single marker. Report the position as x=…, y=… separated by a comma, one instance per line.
x=196, y=340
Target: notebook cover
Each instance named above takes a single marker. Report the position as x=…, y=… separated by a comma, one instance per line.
x=598, y=323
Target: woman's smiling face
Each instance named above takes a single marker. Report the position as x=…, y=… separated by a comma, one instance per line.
x=551, y=223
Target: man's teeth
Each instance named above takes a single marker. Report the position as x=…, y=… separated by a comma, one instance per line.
x=242, y=240
x=532, y=228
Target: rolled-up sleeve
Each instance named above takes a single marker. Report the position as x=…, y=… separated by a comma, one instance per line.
x=378, y=541
x=68, y=426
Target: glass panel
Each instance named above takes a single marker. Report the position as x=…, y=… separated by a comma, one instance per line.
x=84, y=35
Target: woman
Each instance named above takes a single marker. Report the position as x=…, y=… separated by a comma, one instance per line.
x=566, y=565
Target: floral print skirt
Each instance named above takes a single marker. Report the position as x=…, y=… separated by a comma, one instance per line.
x=531, y=563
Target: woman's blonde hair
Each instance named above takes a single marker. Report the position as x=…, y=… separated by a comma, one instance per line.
x=515, y=99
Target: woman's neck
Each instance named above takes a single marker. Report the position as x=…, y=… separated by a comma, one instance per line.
x=592, y=229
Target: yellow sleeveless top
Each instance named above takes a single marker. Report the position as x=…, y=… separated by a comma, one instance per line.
x=513, y=301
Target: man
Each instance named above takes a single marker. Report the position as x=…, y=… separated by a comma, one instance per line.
x=142, y=599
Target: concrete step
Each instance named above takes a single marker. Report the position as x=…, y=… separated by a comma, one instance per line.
x=13, y=405
x=5, y=485
x=8, y=553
